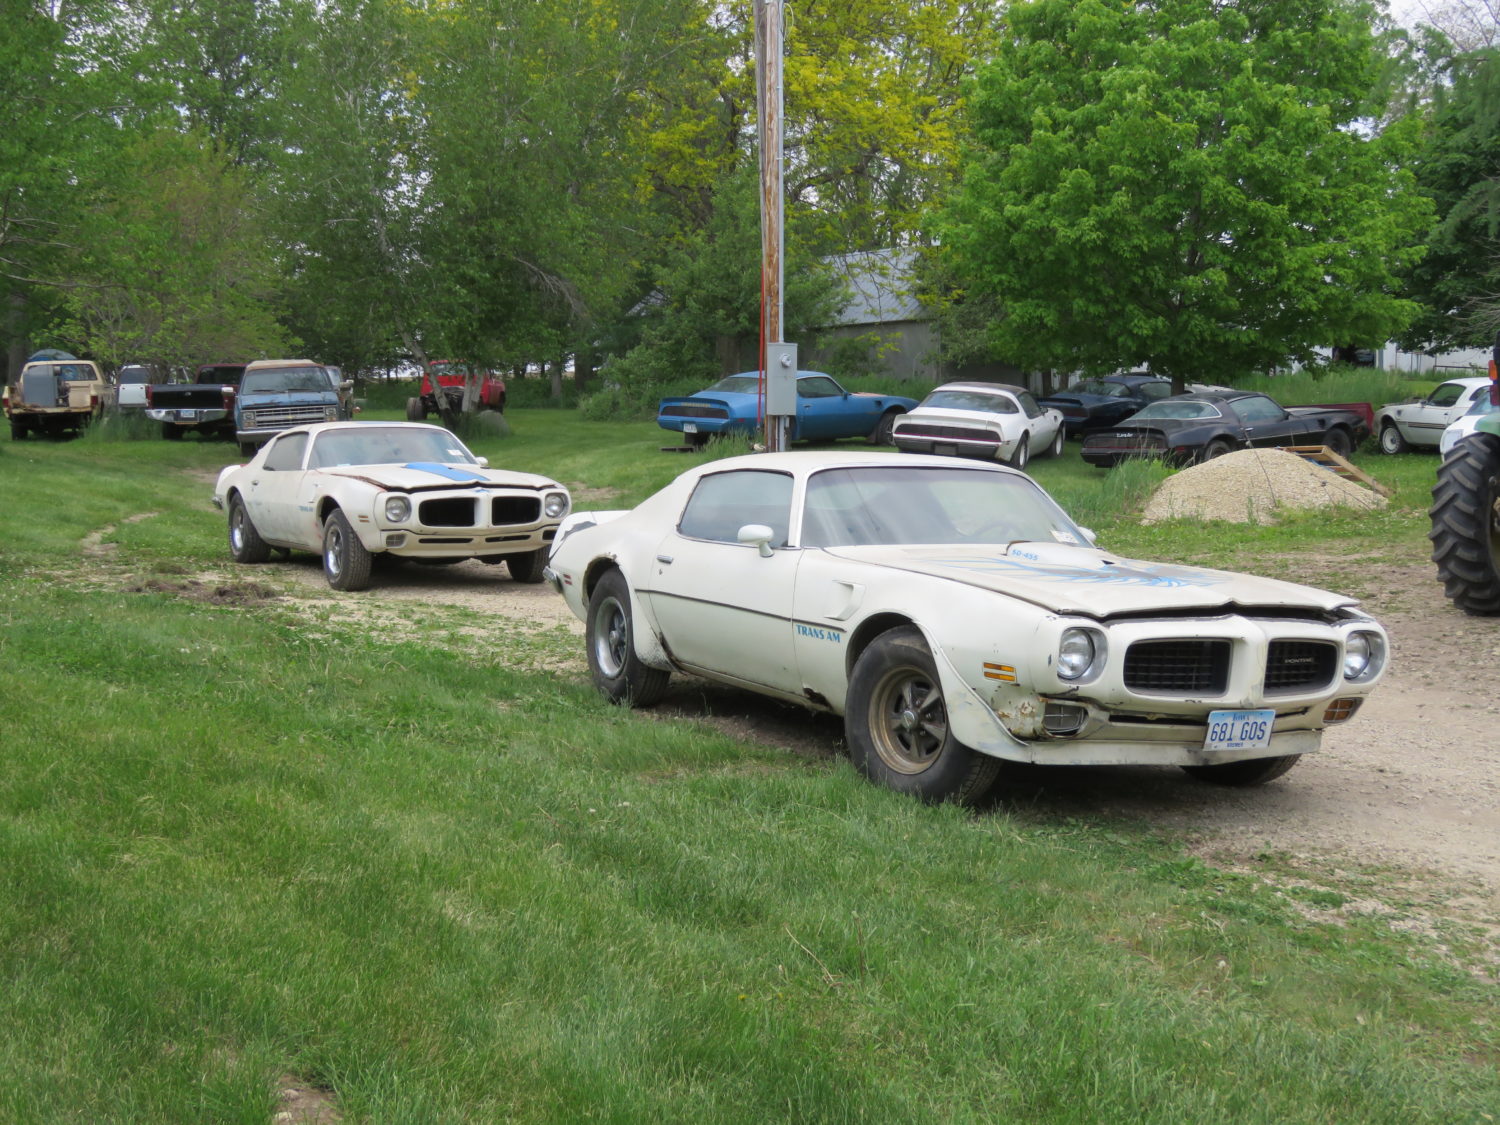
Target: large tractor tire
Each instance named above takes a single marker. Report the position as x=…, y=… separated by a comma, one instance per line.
x=1466, y=524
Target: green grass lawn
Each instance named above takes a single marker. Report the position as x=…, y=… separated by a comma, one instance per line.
x=446, y=883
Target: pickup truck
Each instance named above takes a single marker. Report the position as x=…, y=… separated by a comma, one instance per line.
x=204, y=406
x=131, y=383
x=55, y=395
x=451, y=376
x=279, y=393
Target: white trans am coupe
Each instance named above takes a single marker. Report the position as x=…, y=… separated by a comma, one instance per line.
x=955, y=616
x=360, y=491
x=991, y=421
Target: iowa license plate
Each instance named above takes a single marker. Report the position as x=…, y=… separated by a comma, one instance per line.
x=1239, y=730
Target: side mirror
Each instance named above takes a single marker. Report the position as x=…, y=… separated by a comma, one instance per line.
x=484, y=462
x=757, y=535
x=1090, y=534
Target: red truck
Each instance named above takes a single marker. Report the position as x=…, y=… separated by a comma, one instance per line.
x=452, y=375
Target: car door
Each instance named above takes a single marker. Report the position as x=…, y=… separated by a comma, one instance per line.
x=271, y=495
x=721, y=608
x=1426, y=420
x=824, y=411
x=1039, y=428
x=1267, y=424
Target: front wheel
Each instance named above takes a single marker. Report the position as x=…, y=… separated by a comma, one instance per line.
x=1256, y=771
x=528, y=565
x=1391, y=440
x=346, y=561
x=619, y=674
x=1466, y=524
x=897, y=728
x=884, y=428
x=245, y=543
x=1022, y=455
x=414, y=411
x=247, y=449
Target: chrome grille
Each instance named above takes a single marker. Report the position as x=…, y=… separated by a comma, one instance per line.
x=1181, y=666
x=1296, y=666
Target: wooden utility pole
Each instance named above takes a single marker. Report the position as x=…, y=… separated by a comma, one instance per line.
x=779, y=371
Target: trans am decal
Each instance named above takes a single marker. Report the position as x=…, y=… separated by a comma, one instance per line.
x=1025, y=564
x=818, y=633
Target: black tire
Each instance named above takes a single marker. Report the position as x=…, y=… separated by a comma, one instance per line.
x=609, y=631
x=896, y=724
x=17, y=432
x=247, y=449
x=1391, y=440
x=1022, y=456
x=1465, y=530
x=1216, y=448
x=414, y=411
x=1255, y=771
x=882, y=432
x=245, y=543
x=528, y=565
x=170, y=432
x=1056, y=448
x=346, y=561
x=1339, y=440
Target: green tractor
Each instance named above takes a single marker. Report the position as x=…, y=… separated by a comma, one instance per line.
x=1466, y=512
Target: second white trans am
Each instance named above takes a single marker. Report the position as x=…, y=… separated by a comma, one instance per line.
x=956, y=617
x=356, y=492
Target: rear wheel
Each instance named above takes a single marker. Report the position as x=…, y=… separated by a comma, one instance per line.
x=1216, y=448
x=528, y=565
x=1256, y=771
x=883, y=428
x=414, y=411
x=1391, y=440
x=245, y=543
x=17, y=432
x=897, y=728
x=619, y=674
x=1466, y=524
x=1022, y=456
x=1339, y=441
x=1058, y=441
x=346, y=561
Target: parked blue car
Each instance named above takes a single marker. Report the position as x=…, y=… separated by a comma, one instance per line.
x=825, y=410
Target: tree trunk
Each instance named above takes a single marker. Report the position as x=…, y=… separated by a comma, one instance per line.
x=555, y=370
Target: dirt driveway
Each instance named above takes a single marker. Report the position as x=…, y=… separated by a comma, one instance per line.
x=1413, y=782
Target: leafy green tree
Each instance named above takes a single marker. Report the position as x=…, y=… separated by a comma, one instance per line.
x=1458, y=166
x=1185, y=184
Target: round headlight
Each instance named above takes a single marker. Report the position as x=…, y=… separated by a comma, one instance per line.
x=1364, y=653
x=397, y=508
x=555, y=505
x=1075, y=653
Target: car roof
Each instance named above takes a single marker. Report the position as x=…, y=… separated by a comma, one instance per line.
x=1469, y=380
x=316, y=428
x=262, y=364
x=981, y=386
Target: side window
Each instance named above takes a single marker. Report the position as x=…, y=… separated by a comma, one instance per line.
x=725, y=502
x=1028, y=405
x=286, y=454
x=818, y=387
x=1258, y=409
x=1446, y=395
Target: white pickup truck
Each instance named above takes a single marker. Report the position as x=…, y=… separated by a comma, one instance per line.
x=132, y=382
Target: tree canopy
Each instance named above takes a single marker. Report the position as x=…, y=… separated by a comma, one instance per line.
x=1184, y=184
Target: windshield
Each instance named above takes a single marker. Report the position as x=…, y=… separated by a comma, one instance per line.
x=1176, y=408
x=388, y=445
x=971, y=400
x=135, y=375
x=894, y=504
x=285, y=379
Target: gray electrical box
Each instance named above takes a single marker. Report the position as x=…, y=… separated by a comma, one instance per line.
x=781, y=379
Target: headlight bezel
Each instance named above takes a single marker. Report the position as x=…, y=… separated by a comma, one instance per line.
x=1364, y=655
x=401, y=503
x=1081, y=654
x=558, y=500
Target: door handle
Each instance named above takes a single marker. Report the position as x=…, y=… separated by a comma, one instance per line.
x=665, y=559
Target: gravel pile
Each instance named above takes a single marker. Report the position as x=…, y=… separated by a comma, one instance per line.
x=1251, y=486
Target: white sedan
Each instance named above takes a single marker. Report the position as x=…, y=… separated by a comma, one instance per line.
x=993, y=421
x=1422, y=422
x=1461, y=429
x=955, y=617
x=359, y=491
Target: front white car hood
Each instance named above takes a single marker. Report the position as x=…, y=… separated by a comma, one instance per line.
x=424, y=476
x=1091, y=582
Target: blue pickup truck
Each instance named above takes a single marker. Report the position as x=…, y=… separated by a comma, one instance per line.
x=276, y=394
